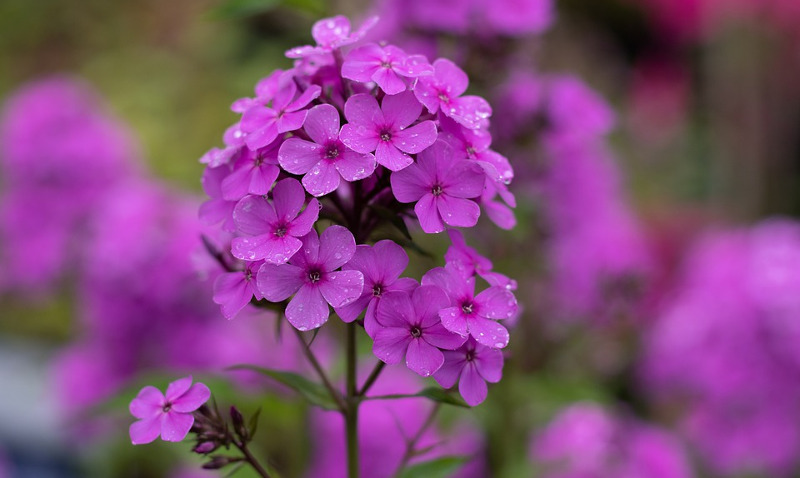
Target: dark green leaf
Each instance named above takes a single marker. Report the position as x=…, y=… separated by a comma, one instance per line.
x=431, y=393
x=315, y=393
x=437, y=468
x=252, y=424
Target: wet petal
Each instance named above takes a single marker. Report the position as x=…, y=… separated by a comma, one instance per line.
x=342, y=287
x=390, y=344
x=472, y=387
x=145, y=431
x=298, y=156
x=279, y=282
x=428, y=214
x=388, y=155
x=487, y=332
x=175, y=426
x=190, y=401
x=288, y=198
x=337, y=246
x=416, y=138
x=322, y=179
x=400, y=110
x=423, y=358
x=307, y=310
x=322, y=123
x=147, y=403
x=355, y=166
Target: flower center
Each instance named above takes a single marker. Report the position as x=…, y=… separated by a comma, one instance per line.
x=280, y=231
x=470, y=355
x=259, y=159
x=436, y=190
x=377, y=290
x=443, y=97
x=248, y=274
x=466, y=308
x=470, y=151
x=416, y=332
x=386, y=64
x=167, y=407
x=314, y=276
x=386, y=135
x=332, y=152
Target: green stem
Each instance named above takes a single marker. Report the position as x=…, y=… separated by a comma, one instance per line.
x=352, y=401
x=372, y=377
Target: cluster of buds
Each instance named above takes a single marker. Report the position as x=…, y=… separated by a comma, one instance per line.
x=350, y=139
x=212, y=432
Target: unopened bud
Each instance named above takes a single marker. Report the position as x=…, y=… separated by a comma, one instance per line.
x=204, y=448
x=219, y=461
x=238, y=424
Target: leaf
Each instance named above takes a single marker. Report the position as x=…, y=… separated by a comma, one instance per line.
x=393, y=218
x=437, y=468
x=431, y=393
x=315, y=393
x=252, y=424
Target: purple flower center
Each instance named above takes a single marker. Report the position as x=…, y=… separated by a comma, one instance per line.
x=466, y=308
x=470, y=355
x=259, y=159
x=332, y=151
x=436, y=190
x=167, y=407
x=248, y=274
x=386, y=135
x=377, y=290
x=280, y=231
x=314, y=276
x=470, y=151
x=416, y=332
x=386, y=64
x=443, y=97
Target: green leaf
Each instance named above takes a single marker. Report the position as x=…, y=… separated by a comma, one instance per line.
x=252, y=425
x=437, y=468
x=431, y=393
x=315, y=393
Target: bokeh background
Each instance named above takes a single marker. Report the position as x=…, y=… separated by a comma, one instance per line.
x=656, y=145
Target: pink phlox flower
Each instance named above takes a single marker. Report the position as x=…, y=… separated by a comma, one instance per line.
x=471, y=314
x=471, y=365
x=263, y=124
x=253, y=172
x=271, y=230
x=443, y=90
x=385, y=66
x=516, y=17
x=167, y=415
x=234, y=290
x=331, y=34
x=410, y=326
x=216, y=209
x=325, y=159
x=499, y=211
x=381, y=265
x=387, y=129
x=463, y=258
x=474, y=144
x=442, y=186
x=312, y=277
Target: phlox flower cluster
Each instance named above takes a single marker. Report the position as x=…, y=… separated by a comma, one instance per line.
x=724, y=350
x=587, y=441
x=354, y=136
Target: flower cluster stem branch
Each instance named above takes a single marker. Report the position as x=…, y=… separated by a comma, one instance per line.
x=373, y=376
x=411, y=445
x=352, y=400
x=252, y=460
x=335, y=395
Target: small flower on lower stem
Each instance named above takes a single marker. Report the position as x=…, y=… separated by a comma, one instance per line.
x=167, y=415
x=410, y=327
x=312, y=277
x=472, y=365
x=234, y=290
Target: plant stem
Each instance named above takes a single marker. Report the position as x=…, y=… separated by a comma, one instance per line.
x=262, y=472
x=335, y=395
x=411, y=445
x=372, y=377
x=352, y=401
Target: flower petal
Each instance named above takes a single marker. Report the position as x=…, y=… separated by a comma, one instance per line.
x=395, y=309
x=354, y=166
x=145, y=431
x=454, y=321
x=253, y=216
x=298, y=156
x=362, y=109
x=175, y=426
x=454, y=362
x=178, y=388
x=496, y=303
x=428, y=300
x=489, y=363
x=471, y=386
x=303, y=223
x=148, y=403
x=288, y=197
x=393, y=260
x=458, y=212
x=279, y=282
x=428, y=214
x=410, y=184
x=307, y=310
x=487, y=332
x=360, y=138
x=322, y=123
x=423, y=358
x=337, y=246
x=192, y=399
x=400, y=110
x=322, y=179
x=387, y=154
x=391, y=344
x=342, y=287
x=389, y=81
x=442, y=338
x=231, y=292
x=416, y=138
